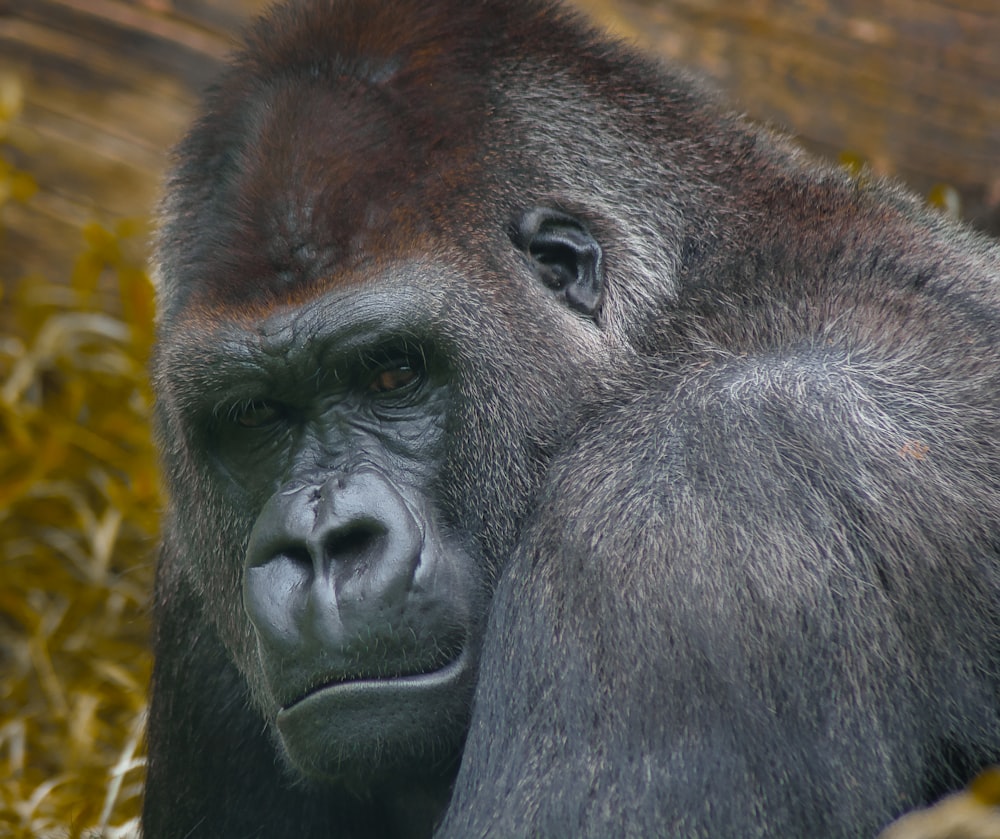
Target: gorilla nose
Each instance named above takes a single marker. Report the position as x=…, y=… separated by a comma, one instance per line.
x=328, y=562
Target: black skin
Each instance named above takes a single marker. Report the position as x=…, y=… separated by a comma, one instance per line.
x=554, y=453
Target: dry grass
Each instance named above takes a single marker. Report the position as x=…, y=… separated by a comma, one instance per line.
x=79, y=503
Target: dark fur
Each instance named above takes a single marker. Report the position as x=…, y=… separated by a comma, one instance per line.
x=743, y=523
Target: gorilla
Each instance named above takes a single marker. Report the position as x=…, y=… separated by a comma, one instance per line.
x=552, y=452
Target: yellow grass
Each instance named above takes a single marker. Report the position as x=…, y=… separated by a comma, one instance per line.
x=79, y=504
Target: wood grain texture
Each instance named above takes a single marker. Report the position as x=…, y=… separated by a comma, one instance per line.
x=107, y=87
x=911, y=86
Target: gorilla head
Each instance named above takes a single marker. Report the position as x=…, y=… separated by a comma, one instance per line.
x=372, y=340
x=479, y=333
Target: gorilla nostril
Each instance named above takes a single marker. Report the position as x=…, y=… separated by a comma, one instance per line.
x=296, y=555
x=354, y=541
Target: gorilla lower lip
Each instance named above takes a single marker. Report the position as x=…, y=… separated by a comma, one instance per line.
x=447, y=673
x=339, y=726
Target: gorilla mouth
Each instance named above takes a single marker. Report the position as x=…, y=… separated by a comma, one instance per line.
x=347, y=728
x=445, y=669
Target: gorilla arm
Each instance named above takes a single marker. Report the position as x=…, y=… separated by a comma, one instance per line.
x=748, y=605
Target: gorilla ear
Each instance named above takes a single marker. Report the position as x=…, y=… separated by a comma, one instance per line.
x=563, y=255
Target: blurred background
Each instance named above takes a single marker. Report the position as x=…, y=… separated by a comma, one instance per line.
x=93, y=93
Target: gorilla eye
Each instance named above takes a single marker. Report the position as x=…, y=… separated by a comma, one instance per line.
x=395, y=378
x=257, y=413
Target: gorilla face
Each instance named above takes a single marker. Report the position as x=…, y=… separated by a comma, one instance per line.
x=362, y=601
x=332, y=436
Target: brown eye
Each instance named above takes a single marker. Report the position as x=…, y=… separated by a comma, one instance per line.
x=392, y=379
x=256, y=414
